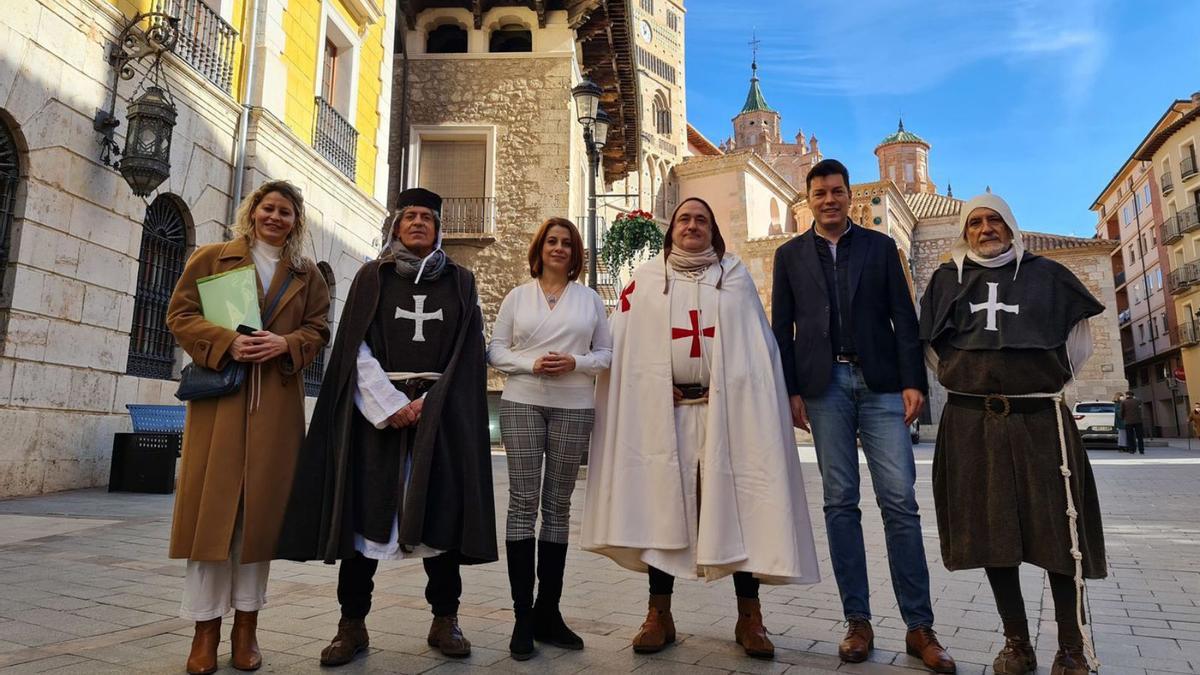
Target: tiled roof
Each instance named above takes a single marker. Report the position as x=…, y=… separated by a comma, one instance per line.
x=926, y=205
x=1041, y=241
x=902, y=136
x=755, y=102
x=702, y=144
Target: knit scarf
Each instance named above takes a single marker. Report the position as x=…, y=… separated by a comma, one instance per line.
x=411, y=266
x=692, y=264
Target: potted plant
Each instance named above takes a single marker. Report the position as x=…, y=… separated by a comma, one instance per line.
x=633, y=235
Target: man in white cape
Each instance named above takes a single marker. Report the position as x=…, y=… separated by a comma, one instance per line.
x=694, y=407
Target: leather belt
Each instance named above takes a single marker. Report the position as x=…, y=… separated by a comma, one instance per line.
x=692, y=391
x=846, y=358
x=998, y=405
x=415, y=387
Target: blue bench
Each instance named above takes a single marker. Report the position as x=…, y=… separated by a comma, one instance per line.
x=144, y=461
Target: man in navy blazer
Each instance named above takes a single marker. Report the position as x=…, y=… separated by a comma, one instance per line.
x=843, y=316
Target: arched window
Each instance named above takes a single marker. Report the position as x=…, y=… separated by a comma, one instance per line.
x=10, y=180
x=511, y=37
x=160, y=262
x=446, y=39
x=662, y=114
x=315, y=371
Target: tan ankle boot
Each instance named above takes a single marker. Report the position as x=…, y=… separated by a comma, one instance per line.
x=351, y=639
x=658, y=630
x=203, y=658
x=244, y=640
x=750, y=632
x=1017, y=657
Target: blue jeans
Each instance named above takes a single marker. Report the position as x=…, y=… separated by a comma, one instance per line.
x=845, y=408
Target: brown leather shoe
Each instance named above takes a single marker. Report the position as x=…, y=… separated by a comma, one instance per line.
x=244, y=640
x=658, y=630
x=445, y=634
x=859, y=640
x=351, y=639
x=750, y=632
x=203, y=658
x=922, y=643
x=1017, y=657
x=1069, y=661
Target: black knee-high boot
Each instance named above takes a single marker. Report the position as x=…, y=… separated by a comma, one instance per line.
x=548, y=622
x=520, y=580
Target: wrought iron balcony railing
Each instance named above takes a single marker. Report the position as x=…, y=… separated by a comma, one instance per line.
x=335, y=138
x=206, y=41
x=1182, y=278
x=1167, y=183
x=1174, y=227
x=1187, y=167
x=1187, y=333
x=467, y=215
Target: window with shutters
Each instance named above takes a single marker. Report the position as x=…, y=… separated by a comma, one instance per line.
x=160, y=262
x=457, y=163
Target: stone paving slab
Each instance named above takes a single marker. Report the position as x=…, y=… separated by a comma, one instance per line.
x=87, y=587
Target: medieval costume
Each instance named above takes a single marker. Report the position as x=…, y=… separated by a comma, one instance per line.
x=693, y=323
x=365, y=491
x=1011, y=480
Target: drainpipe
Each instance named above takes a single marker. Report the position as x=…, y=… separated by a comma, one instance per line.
x=402, y=38
x=239, y=170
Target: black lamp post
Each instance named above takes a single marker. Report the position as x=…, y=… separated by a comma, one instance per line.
x=595, y=133
x=146, y=160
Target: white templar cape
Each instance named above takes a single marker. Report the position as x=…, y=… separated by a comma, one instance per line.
x=754, y=515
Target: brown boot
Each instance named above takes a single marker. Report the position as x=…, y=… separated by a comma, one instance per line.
x=1069, y=661
x=859, y=640
x=923, y=643
x=1017, y=656
x=445, y=634
x=203, y=659
x=658, y=630
x=351, y=639
x=750, y=632
x=244, y=640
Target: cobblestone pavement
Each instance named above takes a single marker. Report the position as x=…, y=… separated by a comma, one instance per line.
x=85, y=586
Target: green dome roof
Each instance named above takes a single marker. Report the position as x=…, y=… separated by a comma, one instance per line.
x=755, y=101
x=902, y=136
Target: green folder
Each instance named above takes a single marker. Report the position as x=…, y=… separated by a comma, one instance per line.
x=230, y=299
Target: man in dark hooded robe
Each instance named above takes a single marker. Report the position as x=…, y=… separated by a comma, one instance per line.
x=397, y=461
x=1005, y=332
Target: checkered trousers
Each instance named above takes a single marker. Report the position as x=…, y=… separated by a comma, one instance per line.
x=531, y=432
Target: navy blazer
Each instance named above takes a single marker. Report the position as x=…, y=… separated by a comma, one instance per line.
x=884, y=320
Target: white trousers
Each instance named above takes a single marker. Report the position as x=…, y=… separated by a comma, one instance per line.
x=210, y=588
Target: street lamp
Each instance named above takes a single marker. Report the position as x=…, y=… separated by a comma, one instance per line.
x=595, y=133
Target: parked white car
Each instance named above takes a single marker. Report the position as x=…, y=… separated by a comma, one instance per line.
x=1097, y=422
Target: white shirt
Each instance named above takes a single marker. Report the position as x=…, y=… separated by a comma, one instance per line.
x=527, y=329
x=266, y=259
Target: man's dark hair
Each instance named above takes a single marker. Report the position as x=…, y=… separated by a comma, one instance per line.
x=827, y=167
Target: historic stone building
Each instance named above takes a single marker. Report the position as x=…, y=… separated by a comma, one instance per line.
x=87, y=267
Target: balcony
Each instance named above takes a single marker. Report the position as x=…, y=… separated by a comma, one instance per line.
x=1179, y=280
x=1187, y=167
x=1167, y=183
x=206, y=41
x=1186, y=220
x=467, y=215
x=1187, y=334
x=335, y=138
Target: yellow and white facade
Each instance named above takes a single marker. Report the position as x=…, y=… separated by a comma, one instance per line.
x=264, y=89
x=1171, y=149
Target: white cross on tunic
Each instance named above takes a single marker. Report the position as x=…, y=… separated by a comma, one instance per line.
x=419, y=316
x=992, y=306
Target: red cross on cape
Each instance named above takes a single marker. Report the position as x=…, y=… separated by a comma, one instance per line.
x=625, y=296
x=694, y=332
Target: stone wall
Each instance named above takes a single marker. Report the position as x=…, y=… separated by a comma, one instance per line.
x=69, y=296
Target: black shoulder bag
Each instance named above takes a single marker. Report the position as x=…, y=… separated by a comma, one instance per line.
x=197, y=382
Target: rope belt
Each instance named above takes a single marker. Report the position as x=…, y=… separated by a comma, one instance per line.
x=998, y=406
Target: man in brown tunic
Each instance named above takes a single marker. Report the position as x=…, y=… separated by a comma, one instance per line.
x=1005, y=332
x=1131, y=415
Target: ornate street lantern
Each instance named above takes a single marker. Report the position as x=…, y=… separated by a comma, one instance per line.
x=146, y=162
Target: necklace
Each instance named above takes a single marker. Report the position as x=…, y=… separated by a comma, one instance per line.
x=552, y=298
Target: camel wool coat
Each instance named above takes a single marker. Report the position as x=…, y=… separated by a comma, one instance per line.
x=243, y=446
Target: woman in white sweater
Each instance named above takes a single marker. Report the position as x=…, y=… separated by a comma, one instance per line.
x=551, y=338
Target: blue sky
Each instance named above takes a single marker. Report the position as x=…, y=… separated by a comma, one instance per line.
x=1040, y=99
